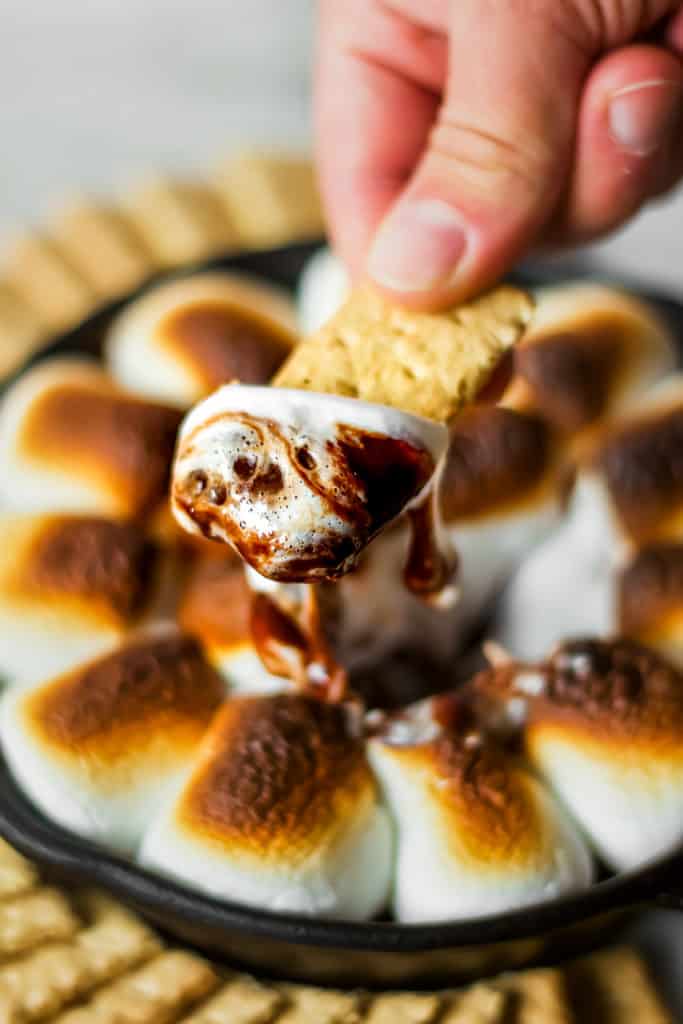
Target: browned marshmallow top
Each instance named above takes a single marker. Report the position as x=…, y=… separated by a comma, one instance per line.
x=496, y=457
x=216, y=602
x=275, y=777
x=221, y=341
x=612, y=691
x=123, y=444
x=106, y=566
x=111, y=708
x=571, y=373
x=650, y=589
x=643, y=467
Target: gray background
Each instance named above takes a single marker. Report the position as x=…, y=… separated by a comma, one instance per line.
x=97, y=93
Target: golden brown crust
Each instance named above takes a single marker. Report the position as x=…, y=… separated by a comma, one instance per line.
x=496, y=458
x=611, y=692
x=643, y=470
x=124, y=444
x=650, y=589
x=277, y=776
x=104, y=566
x=104, y=709
x=571, y=372
x=221, y=341
x=216, y=603
x=423, y=363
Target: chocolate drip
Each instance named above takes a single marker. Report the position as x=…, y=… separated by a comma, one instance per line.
x=429, y=569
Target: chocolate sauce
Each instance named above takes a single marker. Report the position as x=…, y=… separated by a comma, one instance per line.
x=296, y=650
x=428, y=570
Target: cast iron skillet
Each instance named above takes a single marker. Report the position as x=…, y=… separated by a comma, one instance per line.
x=375, y=953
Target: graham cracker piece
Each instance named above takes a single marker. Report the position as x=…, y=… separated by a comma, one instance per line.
x=44, y=277
x=539, y=997
x=17, y=875
x=429, y=364
x=39, y=916
x=50, y=978
x=180, y=221
x=614, y=987
x=309, y=1005
x=21, y=331
x=157, y=993
x=404, y=1008
x=272, y=198
x=103, y=245
x=481, y=1004
x=241, y=1001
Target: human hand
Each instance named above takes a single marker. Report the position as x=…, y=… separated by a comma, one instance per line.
x=454, y=135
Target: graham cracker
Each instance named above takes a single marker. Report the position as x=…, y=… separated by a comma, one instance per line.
x=39, y=916
x=21, y=330
x=429, y=364
x=180, y=221
x=17, y=875
x=272, y=198
x=241, y=1001
x=538, y=997
x=104, y=247
x=43, y=276
x=614, y=987
x=308, y=1005
x=481, y=1004
x=404, y=1008
x=157, y=993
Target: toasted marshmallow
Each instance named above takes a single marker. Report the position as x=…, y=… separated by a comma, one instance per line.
x=477, y=833
x=72, y=587
x=589, y=352
x=280, y=812
x=97, y=749
x=606, y=731
x=297, y=482
x=323, y=287
x=501, y=495
x=70, y=440
x=566, y=586
x=183, y=339
x=216, y=608
x=650, y=599
x=636, y=472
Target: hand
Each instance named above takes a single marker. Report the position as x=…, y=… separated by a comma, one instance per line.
x=456, y=134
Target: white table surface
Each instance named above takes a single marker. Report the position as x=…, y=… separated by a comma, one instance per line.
x=97, y=93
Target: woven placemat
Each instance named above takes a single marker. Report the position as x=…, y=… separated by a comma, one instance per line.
x=79, y=957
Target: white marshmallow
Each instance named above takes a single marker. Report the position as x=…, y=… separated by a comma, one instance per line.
x=98, y=748
x=323, y=286
x=294, y=519
x=280, y=812
x=607, y=734
x=71, y=587
x=70, y=440
x=182, y=339
x=477, y=834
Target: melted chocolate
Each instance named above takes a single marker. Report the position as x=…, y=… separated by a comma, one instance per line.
x=428, y=571
x=296, y=650
x=373, y=478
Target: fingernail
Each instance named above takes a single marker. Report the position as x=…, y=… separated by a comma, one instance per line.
x=642, y=116
x=418, y=247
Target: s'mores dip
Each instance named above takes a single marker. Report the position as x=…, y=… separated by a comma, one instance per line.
x=242, y=572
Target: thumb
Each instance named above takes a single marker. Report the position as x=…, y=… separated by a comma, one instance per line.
x=497, y=159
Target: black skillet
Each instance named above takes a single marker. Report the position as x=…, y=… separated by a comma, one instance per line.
x=374, y=953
